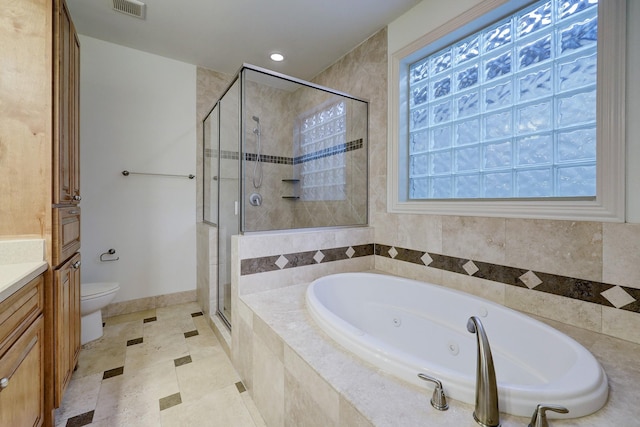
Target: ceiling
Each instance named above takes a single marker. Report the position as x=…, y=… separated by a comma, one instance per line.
x=223, y=34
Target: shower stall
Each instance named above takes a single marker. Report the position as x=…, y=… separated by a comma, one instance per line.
x=279, y=154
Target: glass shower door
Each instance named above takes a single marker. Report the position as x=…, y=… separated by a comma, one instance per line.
x=229, y=194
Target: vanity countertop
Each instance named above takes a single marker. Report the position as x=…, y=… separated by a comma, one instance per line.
x=20, y=262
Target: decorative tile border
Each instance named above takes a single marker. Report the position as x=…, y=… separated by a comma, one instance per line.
x=299, y=259
x=283, y=160
x=604, y=294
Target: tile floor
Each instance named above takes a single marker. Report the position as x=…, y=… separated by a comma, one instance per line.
x=161, y=367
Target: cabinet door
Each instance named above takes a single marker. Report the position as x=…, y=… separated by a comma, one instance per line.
x=66, y=324
x=66, y=91
x=22, y=379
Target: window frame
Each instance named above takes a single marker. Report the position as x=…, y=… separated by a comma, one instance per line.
x=609, y=203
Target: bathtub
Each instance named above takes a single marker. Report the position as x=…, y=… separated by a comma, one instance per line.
x=405, y=327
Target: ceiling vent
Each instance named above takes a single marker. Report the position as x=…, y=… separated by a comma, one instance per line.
x=130, y=7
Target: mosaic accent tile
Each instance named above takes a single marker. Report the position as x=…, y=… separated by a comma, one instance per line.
x=470, y=268
x=393, y=252
x=408, y=255
x=241, y=388
x=363, y=250
x=191, y=334
x=259, y=265
x=113, y=373
x=350, y=252
x=135, y=341
x=618, y=296
x=281, y=262
x=318, y=257
x=426, y=259
x=149, y=319
x=530, y=279
x=80, y=420
x=169, y=401
x=300, y=259
x=182, y=361
x=500, y=273
x=449, y=263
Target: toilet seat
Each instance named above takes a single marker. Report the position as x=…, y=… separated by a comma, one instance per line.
x=96, y=290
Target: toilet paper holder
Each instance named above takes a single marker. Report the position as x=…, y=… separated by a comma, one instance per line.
x=109, y=252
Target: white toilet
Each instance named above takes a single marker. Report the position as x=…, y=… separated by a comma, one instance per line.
x=94, y=297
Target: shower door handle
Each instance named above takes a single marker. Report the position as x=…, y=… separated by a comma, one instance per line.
x=236, y=207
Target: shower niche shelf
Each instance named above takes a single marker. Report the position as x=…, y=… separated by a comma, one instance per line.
x=291, y=181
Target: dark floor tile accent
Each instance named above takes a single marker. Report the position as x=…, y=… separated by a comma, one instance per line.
x=150, y=319
x=191, y=334
x=182, y=361
x=80, y=420
x=199, y=313
x=169, y=401
x=103, y=324
x=113, y=372
x=134, y=341
x=241, y=388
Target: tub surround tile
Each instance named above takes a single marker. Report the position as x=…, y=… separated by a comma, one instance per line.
x=620, y=249
x=566, y=248
x=477, y=238
x=368, y=397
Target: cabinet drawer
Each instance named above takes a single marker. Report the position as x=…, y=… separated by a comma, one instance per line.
x=66, y=233
x=22, y=380
x=19, y=310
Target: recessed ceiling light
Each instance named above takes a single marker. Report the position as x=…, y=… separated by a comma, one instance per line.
x=276, y=56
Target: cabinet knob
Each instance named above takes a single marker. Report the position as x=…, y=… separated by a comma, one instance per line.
x=4, y=383
x=76, y=264
x=77, y=198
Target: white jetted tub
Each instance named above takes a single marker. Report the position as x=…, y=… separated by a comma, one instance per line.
x=405, y=327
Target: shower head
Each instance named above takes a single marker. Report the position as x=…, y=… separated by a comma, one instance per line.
x=256, y=119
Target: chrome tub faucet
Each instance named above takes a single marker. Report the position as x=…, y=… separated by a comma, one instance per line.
x=486, y=413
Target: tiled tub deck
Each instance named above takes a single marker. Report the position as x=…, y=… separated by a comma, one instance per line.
x=298, y=376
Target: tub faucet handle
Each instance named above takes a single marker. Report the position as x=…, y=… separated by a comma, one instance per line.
x=539, y=417
x=438, y=400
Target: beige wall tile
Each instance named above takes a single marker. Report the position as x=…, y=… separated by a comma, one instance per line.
x=621, y=254
x=482, y=239
x=493, y=291
x=566, y=248
x=578, y=313
x=268, y=384
x=620, y=323
x=302, y=379
x=420, y=232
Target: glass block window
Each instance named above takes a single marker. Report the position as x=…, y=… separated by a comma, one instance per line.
x=509, y=111
x=322, y=147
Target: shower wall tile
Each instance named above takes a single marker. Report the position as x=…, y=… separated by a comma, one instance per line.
x=621, y=254
x=269, y=338
x=475, y=238
x=567, y=248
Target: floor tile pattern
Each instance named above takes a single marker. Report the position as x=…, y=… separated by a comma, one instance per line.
x=162, y=367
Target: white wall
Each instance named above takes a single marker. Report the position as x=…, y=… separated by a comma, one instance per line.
x=137, y=114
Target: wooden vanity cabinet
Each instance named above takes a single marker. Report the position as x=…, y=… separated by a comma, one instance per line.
x=22, y=390
x=66, y=299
